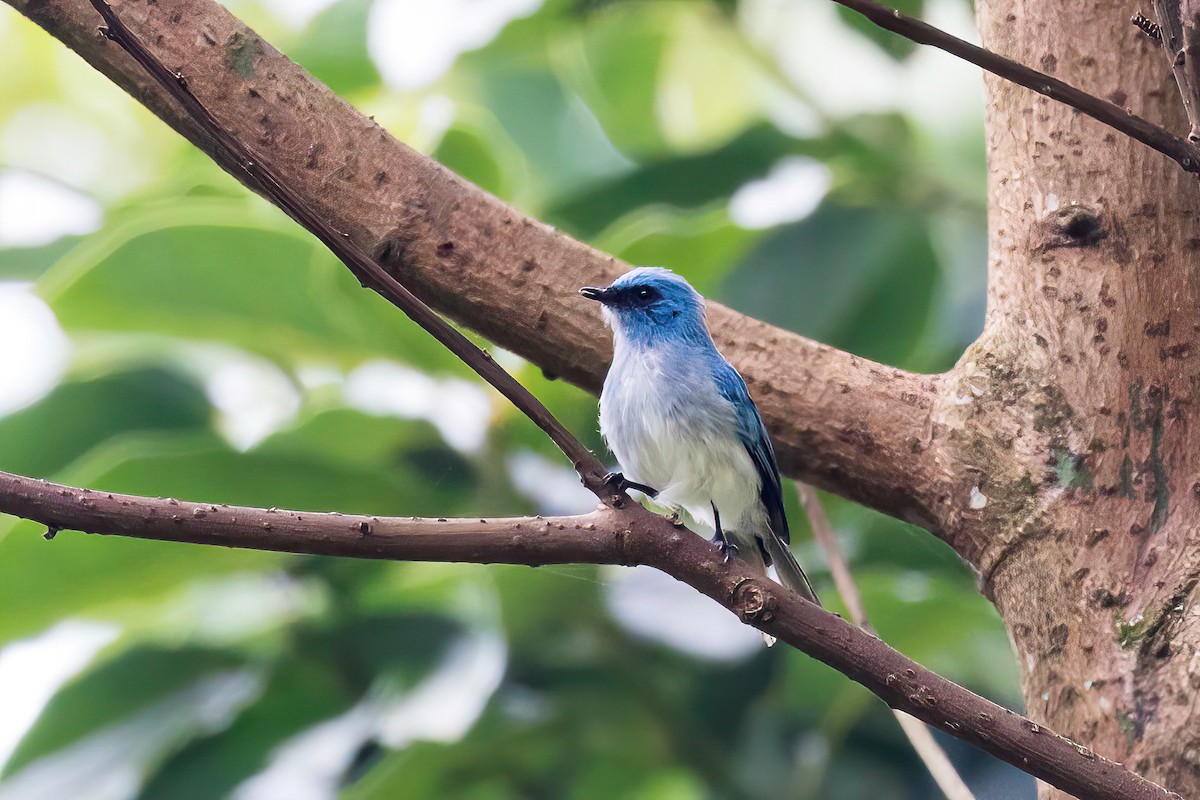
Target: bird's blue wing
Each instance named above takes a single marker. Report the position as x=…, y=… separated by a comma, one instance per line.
x=754, y=436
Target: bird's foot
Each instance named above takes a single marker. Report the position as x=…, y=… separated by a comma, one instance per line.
x=620, y=484
x=728, y=549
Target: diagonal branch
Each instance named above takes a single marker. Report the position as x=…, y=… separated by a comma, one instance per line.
x=922, y=741
x=1185, y=153
x=627, y=535
x=841, y=422
x=364, y=266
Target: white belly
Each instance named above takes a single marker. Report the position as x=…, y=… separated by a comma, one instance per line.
x=682, y=441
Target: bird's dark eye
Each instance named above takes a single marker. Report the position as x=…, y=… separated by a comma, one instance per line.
x=646, y=294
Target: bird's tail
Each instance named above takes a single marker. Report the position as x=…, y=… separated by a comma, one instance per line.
x=789, y=571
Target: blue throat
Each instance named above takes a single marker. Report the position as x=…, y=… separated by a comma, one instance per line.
x=682, y=330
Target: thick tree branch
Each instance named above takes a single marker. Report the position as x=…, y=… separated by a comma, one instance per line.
x=841, y=422
x=626, y=536
x=1185, y=153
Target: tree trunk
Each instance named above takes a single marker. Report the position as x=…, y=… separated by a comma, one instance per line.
x=1072, y=422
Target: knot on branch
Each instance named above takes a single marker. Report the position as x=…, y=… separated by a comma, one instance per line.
x=1071, y=226
x=754, y=602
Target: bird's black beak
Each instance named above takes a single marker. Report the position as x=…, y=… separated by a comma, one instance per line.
x=594, y=293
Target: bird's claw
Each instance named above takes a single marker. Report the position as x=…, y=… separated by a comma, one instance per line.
x=620, y=483
x=728, y=549
x=720, y=539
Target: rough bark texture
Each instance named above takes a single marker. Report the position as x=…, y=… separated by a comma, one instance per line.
x=1074, y=416
x=844, y=423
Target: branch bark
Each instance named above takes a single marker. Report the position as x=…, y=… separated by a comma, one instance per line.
x=624, y=535
x=840, y=422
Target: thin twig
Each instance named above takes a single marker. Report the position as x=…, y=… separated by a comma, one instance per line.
x=935, y=759
x=823, y=533
x=1186, y=154
x=368, y=271
x=926, y=747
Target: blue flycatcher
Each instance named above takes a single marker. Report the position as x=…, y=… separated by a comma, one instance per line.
x=682, y=425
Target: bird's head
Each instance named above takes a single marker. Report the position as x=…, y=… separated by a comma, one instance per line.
x=647, y=301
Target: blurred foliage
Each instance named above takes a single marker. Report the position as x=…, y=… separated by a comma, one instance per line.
x=646, y=128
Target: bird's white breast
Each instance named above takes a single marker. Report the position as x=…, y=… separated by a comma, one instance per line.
x=671, y=429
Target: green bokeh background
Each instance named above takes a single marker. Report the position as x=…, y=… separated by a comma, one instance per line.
x=631, y=125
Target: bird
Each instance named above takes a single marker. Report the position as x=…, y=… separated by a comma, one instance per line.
x=682, y=425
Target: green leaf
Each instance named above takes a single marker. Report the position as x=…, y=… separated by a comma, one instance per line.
x=859, y=279
x=105, y=576
x=353, y=440
x=111, y=691
x=203, y=470
x=703, y=246
x=661, y=77
x=614, y=62
x=330, y=669
x=468, y=150
x=299, y=695
x=401, y=647
x=557, y=145
x=688, y=182
x=708, y=86
x=881, y=541
x=28, y=263
x=229, y=270
x=79, y=415
x=962, y=635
